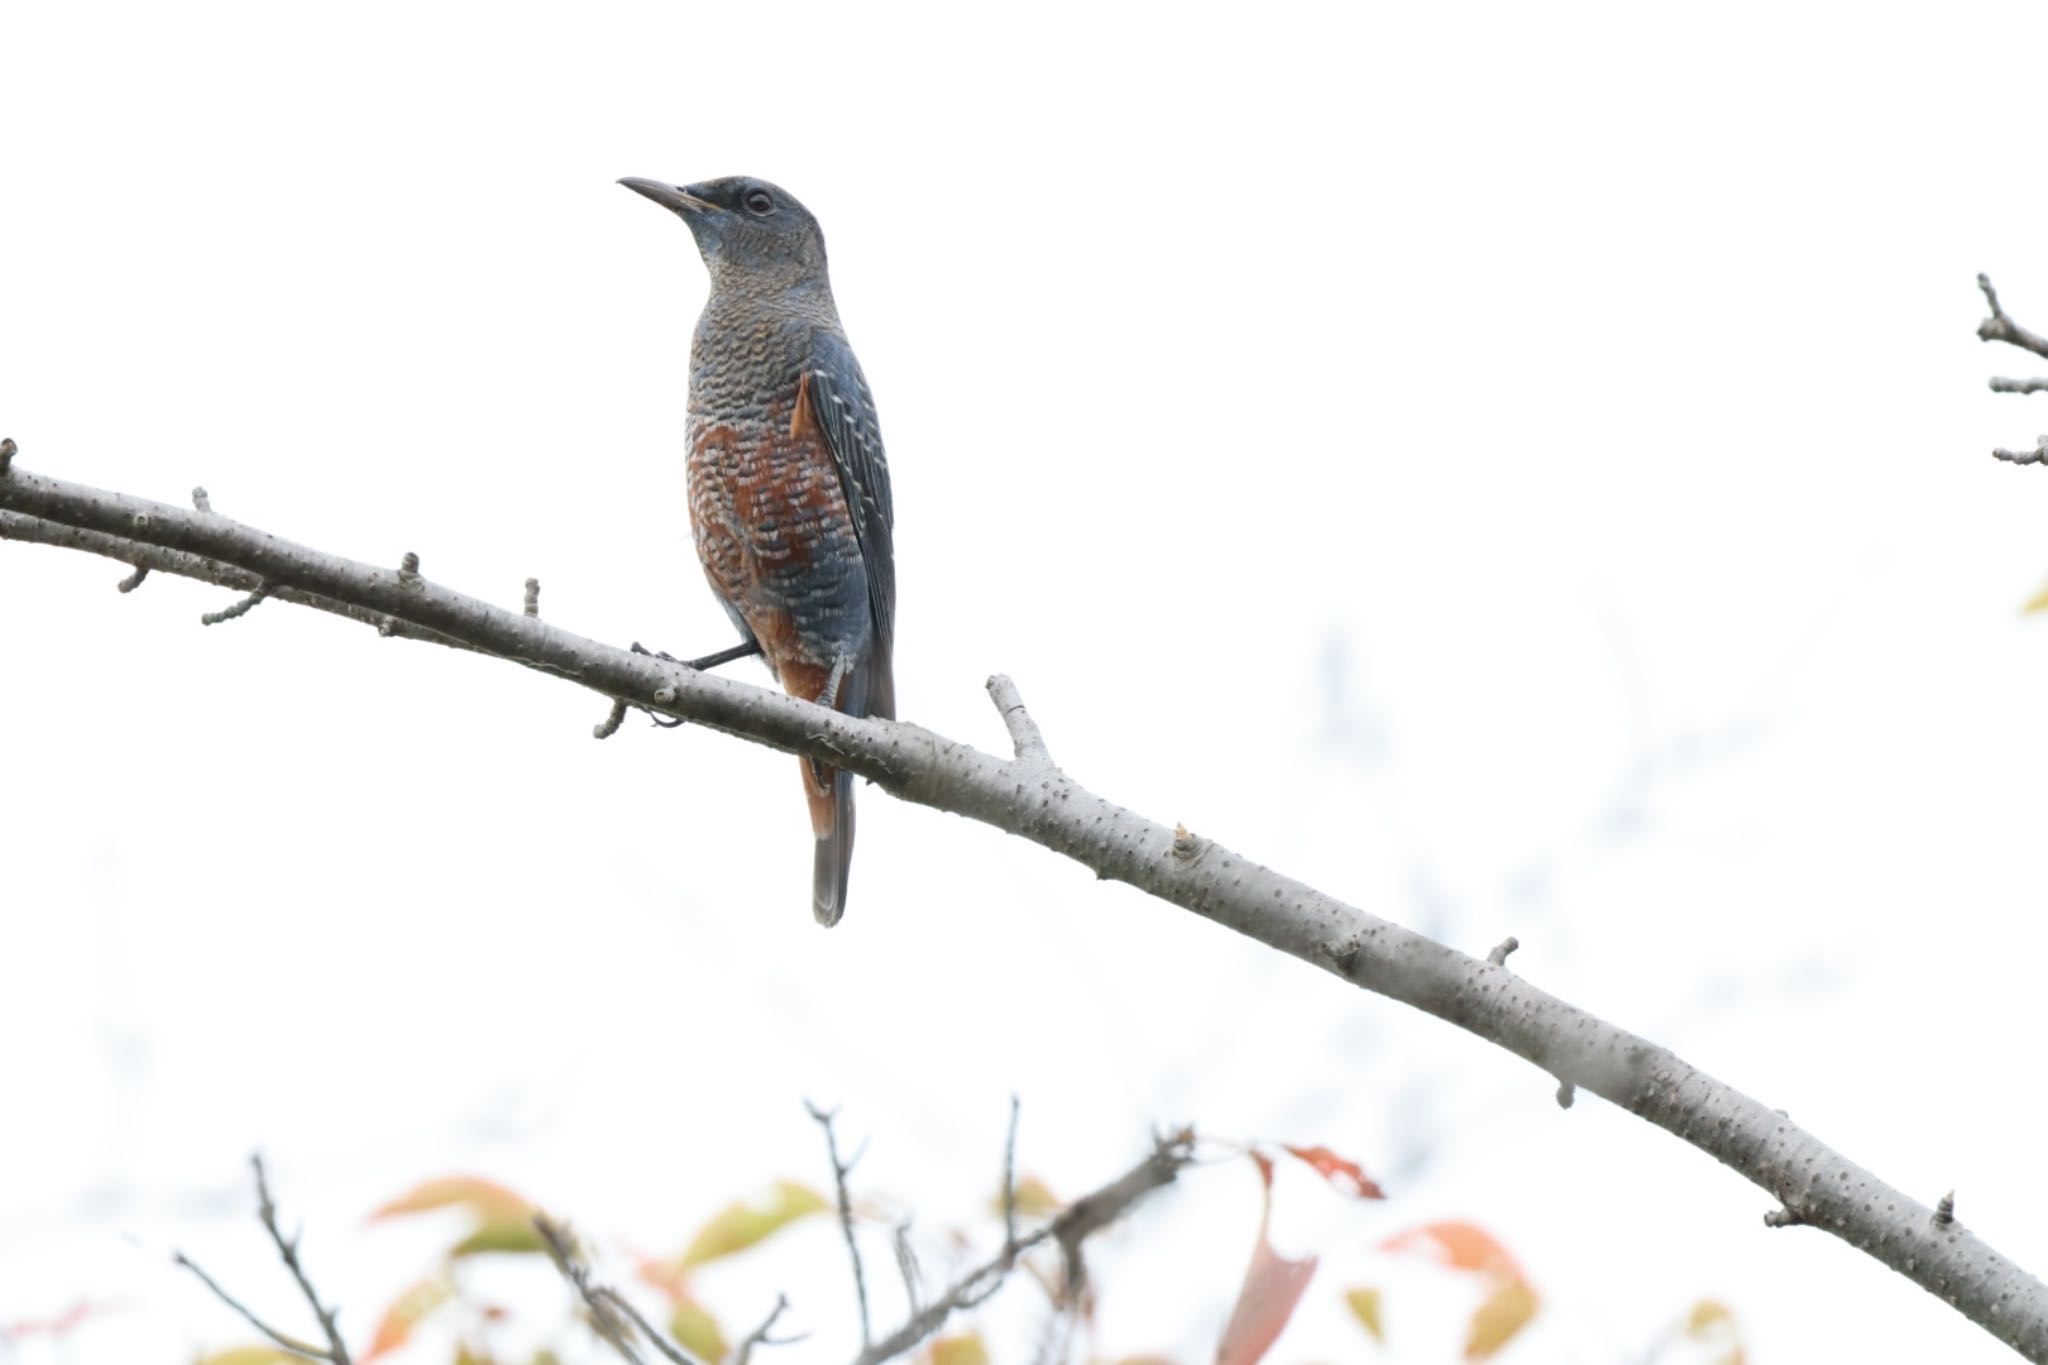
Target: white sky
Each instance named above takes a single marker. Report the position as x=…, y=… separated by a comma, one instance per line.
x=1522, y=468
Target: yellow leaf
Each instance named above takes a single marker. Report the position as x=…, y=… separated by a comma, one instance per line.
x=406, y=1312
x=741, y=1225
x=252, y=1355
x=693, y=1327
x=1365, y=1306
x=1035, y=1199
x=2038, y=602
x=487, y=1200
x=516, y=1235
x=1506, y=1311
x=1708, y=1319
x=965, y=1349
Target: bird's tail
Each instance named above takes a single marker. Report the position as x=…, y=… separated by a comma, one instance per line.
x=831, y=797
x=835, y=848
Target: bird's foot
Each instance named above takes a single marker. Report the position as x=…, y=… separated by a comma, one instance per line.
x=742, y=650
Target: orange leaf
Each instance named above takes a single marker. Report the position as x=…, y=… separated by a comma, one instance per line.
x=1506, y=1311
x=406, y=1312
x=1345, y=1175
x=490, y=1202
x=1365, y=1306
x=1273, y=1285
x=1459, y=1245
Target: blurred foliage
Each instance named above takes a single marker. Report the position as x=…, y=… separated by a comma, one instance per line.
x=498, y=1222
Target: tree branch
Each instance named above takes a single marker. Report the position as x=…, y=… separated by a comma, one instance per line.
x=335, y=1352
x=1043, y=804
x=1074, y=1225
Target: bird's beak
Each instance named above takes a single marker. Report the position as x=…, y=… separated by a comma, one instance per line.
x=672, y=197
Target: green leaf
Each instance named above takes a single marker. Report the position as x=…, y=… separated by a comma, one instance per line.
x=515, y=1236
x=742, y=1225
x=693, y=1327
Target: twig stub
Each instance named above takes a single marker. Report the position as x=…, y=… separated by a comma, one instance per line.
x=1499, y=956
x=1024, y=733
x=239, y=609
x=133, y=580
x=7, y=450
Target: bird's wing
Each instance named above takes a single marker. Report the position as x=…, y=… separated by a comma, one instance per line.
x=845, y=411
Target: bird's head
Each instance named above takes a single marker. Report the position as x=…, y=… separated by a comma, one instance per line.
x=745, y=228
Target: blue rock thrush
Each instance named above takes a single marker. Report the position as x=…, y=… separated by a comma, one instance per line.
x=789, y=490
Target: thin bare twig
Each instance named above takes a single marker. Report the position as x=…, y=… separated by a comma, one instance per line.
x=840, y=1170
x=759, y=1336
x=906, y=1265
x=1024, y=733
x=2038, y=455
x=1080, y=1220
x=1010, y=1178
x=611, y=1316
x=335, y=1352
x=133, y=580
x=2019, y=385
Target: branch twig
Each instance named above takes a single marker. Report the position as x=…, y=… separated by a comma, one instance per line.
x=335, y=1352
x=1999, y=327
x=611, y=1315
x=759, y=1336
x=1047, y=806
x=2038, y=455
x=1079, y=1221
x=1024, y=735
x=840, y=1170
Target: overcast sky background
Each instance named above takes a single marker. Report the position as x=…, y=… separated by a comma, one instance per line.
x=1520, y=468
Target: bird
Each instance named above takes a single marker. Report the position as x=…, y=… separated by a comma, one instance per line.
x=789, y=495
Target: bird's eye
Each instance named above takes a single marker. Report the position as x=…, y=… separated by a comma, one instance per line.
x=760, y=202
